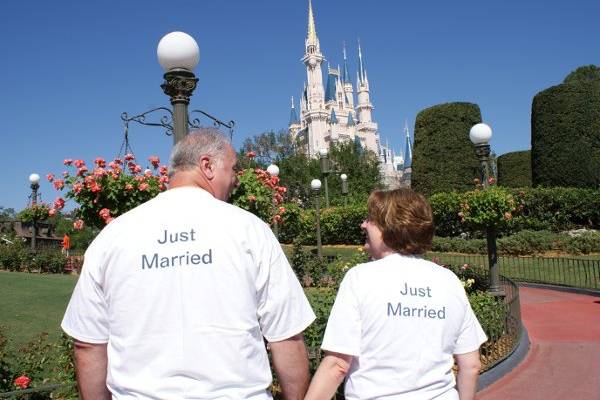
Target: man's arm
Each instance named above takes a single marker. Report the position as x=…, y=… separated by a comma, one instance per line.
x=331, y=372
x=468, y=373
x=290, y=361
x=91, y=363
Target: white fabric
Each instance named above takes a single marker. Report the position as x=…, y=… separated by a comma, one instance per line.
x=401, y=352
x=189, y=322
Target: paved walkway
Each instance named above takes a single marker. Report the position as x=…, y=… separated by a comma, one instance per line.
x=564, y=358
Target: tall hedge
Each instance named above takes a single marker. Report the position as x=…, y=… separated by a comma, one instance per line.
x=565, y=135
x=514, y=169
x=443, y=157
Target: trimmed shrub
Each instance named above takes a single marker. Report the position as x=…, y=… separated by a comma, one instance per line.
x=514, y=169
x=565, y=134
x=444, y=158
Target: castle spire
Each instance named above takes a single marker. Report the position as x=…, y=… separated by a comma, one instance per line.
x=361, y=70
x=407, y=148
x=293, y=115
x=346, y=76
x=311, y=35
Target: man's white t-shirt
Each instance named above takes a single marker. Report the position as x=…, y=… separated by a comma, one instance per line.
x=183, y=289
x=402, y=318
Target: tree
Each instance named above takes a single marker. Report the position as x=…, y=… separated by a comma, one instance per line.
x=514, y=169
x=443, y=157
x=269, y=147
x=585, y=73
x=565, y=133
x=7, y=214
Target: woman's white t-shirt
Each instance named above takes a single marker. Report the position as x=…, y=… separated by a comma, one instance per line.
x=402, y=318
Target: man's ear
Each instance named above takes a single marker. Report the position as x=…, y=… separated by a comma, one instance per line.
x=207, y=167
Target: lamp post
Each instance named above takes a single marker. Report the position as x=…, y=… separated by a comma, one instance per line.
x=315, y=185
x=480, y=134
x=178, y=54
x=344, y=179
x=273, y=170
x=325, y=170
x=34, y=180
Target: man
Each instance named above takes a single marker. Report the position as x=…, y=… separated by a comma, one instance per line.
x=176, y=295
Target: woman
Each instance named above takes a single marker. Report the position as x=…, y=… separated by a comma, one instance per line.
x=399, y=322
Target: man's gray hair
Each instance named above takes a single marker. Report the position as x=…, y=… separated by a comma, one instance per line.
x=201, y=142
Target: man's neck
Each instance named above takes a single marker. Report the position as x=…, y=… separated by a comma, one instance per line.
x=190, y=179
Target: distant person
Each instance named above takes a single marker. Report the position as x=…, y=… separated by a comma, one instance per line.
x=176, y=296
x=66, y=244
x=399, y=322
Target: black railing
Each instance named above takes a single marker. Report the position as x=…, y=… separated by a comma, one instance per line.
x=562, y=271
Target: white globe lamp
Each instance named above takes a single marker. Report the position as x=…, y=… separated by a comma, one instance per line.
x=178, y=50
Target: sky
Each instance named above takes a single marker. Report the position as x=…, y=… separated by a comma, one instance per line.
x=70, y=68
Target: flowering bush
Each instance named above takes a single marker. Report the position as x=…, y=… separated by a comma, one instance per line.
x=491, y=208
x=260, y=193
x=22, y=382
x=35, y=212
x=108, y=189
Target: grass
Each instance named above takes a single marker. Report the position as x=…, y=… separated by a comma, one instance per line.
x=33, y=303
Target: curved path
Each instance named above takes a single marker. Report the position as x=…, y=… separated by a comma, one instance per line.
x=564, y=355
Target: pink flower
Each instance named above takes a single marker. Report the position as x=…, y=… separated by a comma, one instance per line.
x=59, y=203
x=100, y=162
x=281, y=210
x=65, y=174
x=52, y=212
x=148, y=173
x=140, y=179
x=507, y=216
x=95, y=187
x=108, y=220
x=79, y=163
x=99, y=172
x=154, y=160
x=143, y=186
x=77, y=187
x=118, y=161
x=104, y=213
x=281, y=189
x=163, y=170
x=250, y=154
x=50, y=177
x=81, y=171
x=78, y=225
x=59, y=184
x=22, y=382
x=129, y=157
x=163, y=179
x=67, y=161
x=251, y=198
x=465, y=267
x=491, y=180
x=129, y=187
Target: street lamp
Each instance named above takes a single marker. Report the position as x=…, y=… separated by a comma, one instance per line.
x=315, y=185
x=34, y=180
x=273, y=170
x=324, y=161
x=178, y=54
x=344, y=179
x=480, y=134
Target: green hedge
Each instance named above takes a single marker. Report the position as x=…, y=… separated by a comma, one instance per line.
x=523, y=243
x=514, y=169
x=443, y=157
x=550, y=209
x=565, y=135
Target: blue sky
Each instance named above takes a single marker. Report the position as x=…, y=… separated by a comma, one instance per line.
x=70, y=68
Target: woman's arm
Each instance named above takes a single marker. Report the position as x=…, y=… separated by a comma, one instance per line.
x=468, y=373
x=331, y=372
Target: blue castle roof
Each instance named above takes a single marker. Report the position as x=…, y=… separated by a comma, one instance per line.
x=333, y=117
x=330, y=91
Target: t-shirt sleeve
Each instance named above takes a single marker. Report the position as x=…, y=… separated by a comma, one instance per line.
x=283, y=309
x=471, y=335
x=86, y=318
x=343, y=332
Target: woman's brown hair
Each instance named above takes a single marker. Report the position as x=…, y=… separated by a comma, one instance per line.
x=405, y=219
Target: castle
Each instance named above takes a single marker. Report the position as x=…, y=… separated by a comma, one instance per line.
x=329, y=114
